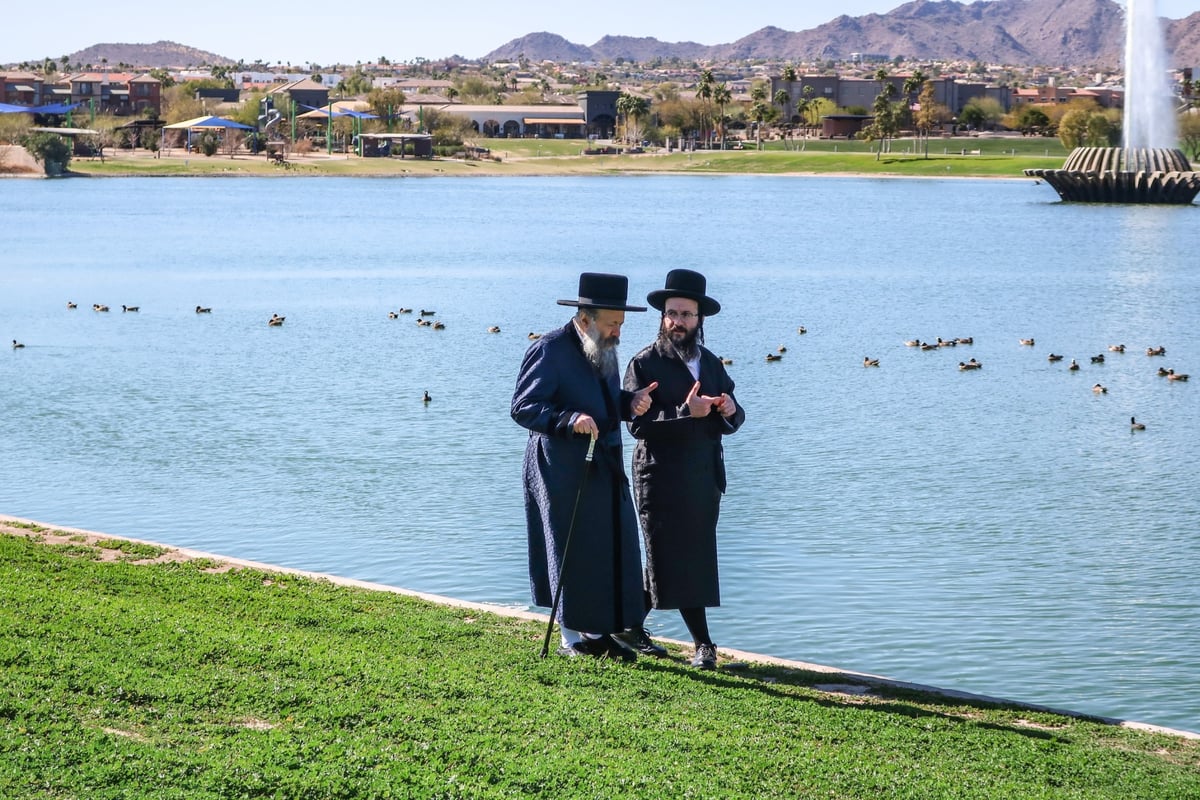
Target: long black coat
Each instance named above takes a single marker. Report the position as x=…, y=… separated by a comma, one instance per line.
x=602, y=583
x=679, y=476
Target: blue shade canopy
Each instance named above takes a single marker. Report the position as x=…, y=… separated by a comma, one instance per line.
x=58, y=108
x=210, y=122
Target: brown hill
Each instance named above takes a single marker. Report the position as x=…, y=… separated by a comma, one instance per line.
x=158, y=54
x=1020, y=32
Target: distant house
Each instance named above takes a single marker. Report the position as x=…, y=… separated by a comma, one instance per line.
x=306, y=92
x=21, y=89
x=512, y=121
x=115, y=93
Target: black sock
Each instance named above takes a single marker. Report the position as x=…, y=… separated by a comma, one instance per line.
x=696, y=620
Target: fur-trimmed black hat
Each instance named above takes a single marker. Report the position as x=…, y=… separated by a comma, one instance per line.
x=684, y=283
x=601, y=290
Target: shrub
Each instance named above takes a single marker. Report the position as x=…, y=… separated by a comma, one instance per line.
x=208, y=143
x=50, y=150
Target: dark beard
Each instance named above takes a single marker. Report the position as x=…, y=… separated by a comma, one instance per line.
x=601, y=355
x=688, y=347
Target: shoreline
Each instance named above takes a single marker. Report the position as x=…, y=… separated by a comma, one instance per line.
x=51, y=534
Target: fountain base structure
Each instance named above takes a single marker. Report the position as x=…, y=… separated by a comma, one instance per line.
x=1123, y=175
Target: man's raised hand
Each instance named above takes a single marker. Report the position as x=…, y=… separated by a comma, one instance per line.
x=641, y=399
x=699, y=404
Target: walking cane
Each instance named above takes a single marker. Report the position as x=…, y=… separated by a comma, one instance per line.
x=562, y=566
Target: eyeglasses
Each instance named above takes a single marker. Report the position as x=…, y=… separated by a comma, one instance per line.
x=686, y=316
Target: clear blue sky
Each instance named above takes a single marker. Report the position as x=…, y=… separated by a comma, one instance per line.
x=301, y=31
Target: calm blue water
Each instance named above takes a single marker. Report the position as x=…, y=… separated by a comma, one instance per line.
x=999, y=531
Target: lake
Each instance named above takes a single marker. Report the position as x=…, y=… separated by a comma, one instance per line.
x=1000, y=531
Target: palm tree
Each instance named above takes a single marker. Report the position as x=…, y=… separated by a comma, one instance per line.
x=912, y=86
x=704, y=91
x=631, y=107
x=781, y=99
x=722, y=96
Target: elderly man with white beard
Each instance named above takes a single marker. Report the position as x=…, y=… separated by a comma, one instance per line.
x=569, y=392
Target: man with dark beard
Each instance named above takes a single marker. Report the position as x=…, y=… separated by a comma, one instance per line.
x=568, y=391
x=679, y=462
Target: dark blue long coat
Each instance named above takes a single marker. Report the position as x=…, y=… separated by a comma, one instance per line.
x=602, y=583
x=679, y=476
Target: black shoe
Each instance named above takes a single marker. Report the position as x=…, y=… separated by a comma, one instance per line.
x=639, y=640
x=611, y=648
x=706, y=656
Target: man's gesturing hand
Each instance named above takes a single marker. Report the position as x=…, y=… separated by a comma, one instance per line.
x=699, y=405
x=641, y=399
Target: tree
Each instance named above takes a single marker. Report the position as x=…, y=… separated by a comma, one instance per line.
x=632, y=108
x=931, y=113
x=1030, y=121
x=386, y=104
x=886, y=123
x=704, y=93
x=722, y=95
x=760, y=111
x=1073, y=128
x=981, y=112
x=1189, y=134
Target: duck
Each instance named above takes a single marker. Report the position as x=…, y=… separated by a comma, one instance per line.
x=437, y=326
x=1172, y=375
x=1098, y=389
x=423, y=322
x=726, y=361
x=427, y=313
x=1054, y=357
x=1116, y=348
x=393, y=315
x=928, y=346
x=1135, y=425
x=533, y=336
x=965, y=340
x=1163, y=372
x=203, y=310
x=802, y=330
x=1098, y=359
x=782, y=348
x=870, y=362
x=426, y=398
x=494, y=329
x=1074, y=365
x=71, y=305
x=1027, y=342
x=912, y=342
x=17, y=345
x=946, y=342
x=972, y=364
x=130, y=308
x=99, y=307
x=1156, y=351
x=275, y=321
x=404, y=311
x=774, y=357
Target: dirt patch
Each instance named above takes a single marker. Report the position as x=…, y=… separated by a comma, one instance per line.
x=15, y=160
x=106, y=547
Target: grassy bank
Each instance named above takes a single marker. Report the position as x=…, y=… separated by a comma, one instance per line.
x=964, y=157
x=172, y=680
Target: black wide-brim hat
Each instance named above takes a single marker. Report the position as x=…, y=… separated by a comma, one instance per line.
x=601, y=290
x=685, y=283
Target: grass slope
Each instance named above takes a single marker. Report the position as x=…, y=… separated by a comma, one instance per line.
x=127, y=680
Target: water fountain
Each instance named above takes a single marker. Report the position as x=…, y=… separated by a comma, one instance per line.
x=1149, y=168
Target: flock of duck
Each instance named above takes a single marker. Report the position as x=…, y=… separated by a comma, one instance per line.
x=939, y=343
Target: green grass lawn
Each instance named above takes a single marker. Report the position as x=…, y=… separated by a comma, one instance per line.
x=123, y=680
x=996, y=158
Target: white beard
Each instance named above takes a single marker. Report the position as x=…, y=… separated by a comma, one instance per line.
x=602, y=357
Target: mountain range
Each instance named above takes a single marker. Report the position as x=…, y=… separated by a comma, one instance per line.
x=1052, y=33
